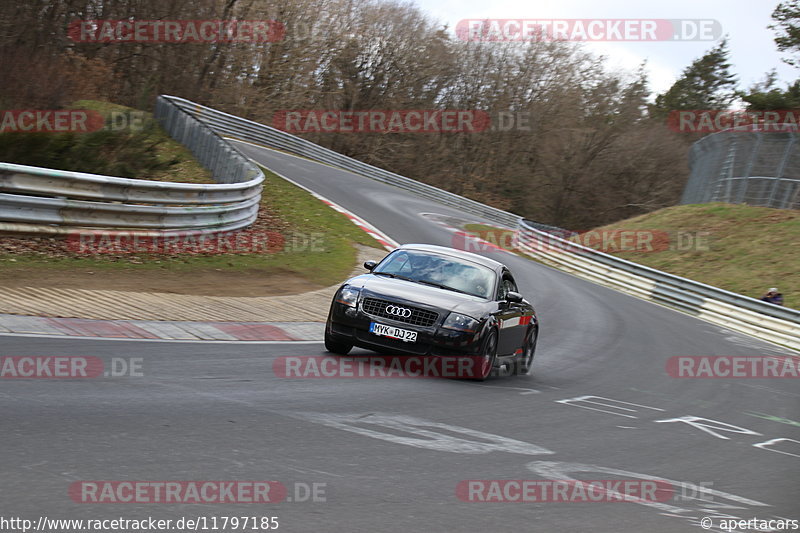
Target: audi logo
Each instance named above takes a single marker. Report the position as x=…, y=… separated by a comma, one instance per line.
x=398, y=311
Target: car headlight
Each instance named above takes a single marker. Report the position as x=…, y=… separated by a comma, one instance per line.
x=348, y=296
x=460, y=322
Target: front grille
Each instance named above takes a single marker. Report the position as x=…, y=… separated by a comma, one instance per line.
x=419, y=317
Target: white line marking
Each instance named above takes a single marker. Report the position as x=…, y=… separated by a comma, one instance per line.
x=707, y=425
x=424, y=433
x=763, y=446
x=527, y=391
x=586, y=399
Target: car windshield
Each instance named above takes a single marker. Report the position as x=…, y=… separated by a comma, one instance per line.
x=441, y=271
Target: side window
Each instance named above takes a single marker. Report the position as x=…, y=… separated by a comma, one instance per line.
x=397, y=263
x=512, y=287
x=506, y=285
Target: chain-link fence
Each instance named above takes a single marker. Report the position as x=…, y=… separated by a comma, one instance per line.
x=756, y=168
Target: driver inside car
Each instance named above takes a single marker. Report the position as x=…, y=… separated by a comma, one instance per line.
x=425, y=268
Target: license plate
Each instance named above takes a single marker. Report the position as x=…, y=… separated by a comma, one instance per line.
x=383, y=330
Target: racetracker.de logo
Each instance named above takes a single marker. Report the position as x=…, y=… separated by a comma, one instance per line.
x=619, y=240
x=484, y=242
x=733, y=366
x=51, y=367
x=716, y=120
x=177, y=492
x=379, y=366
x=50, y=121
x=382, y=121
x=607, y=241
x=176, y=31
x=563, y=491
x=527, y=30
x=68, y=366
x=238, y=242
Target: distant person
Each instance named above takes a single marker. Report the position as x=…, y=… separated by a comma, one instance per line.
x=773, y=297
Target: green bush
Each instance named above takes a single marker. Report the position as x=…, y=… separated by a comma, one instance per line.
x=115, y=153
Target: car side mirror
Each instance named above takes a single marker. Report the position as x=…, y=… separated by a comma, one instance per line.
x=513, y=297
x=369, y=265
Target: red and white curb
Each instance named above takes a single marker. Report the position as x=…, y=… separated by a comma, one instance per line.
x=386, y=241
x=162, y=330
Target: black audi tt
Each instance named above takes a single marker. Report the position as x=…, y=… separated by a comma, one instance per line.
x=431, y=301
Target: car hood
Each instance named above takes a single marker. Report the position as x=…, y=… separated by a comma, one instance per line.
x=419, y=295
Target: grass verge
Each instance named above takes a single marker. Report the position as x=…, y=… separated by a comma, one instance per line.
x=739, y=248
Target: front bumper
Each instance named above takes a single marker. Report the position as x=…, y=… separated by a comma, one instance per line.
x=352, y=324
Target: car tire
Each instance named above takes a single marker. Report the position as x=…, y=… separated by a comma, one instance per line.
x=525, y=362
x=488, y=357
x=336, y=346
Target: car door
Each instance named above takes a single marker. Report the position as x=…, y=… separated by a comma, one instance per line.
x=513, y=318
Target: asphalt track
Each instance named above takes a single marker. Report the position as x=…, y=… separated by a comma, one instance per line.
x=389, y=453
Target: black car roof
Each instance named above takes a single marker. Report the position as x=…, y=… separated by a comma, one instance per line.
x=475, y=258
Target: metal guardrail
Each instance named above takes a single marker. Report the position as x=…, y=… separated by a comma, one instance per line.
x=64, y=212
x=226, y=163
x=735, y=311
x=247, y=130
x=39, y=200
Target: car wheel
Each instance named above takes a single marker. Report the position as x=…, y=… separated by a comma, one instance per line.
x=336, y=346
x=488, y=357
x=528, y=351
